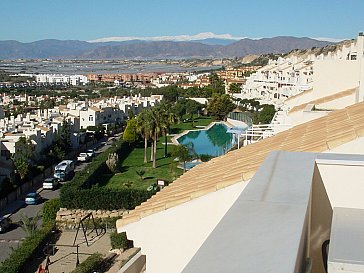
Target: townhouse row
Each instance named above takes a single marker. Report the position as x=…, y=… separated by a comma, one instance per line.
x=43, y=126
x=293, y=74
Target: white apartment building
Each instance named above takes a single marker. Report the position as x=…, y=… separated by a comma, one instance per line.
x=61, y=79
x=337, y=82
x=280, y=79
x=287, y=77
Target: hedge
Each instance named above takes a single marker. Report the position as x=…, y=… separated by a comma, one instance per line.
x=103, y=198
x=21, y=255
x=118, y=240
x=82, y=192
x=90, y=265
x=50, y=209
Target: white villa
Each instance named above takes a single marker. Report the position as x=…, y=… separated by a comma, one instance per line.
x=43, y=126
x=291, y=202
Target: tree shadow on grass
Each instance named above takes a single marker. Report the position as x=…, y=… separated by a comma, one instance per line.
x=162, y=165
x=175, y=131
x=104, y=179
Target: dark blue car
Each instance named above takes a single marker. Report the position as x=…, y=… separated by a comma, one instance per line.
x=32, y=198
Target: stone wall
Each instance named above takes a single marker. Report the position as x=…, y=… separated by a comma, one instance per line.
x=70, y=218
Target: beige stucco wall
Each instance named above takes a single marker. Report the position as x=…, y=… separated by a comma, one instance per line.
x=320, y=221
x=300, y=117
x=331, y=76
x=338, y=104
x=170, y=238
x=344, y=185
x=301, y=99
x=355, y=146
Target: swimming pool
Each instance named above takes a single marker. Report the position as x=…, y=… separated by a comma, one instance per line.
x=215, y=141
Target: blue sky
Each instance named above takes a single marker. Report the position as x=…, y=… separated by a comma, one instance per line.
x=27, y=21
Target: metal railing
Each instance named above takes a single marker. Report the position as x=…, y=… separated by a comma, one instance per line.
x=261, y=131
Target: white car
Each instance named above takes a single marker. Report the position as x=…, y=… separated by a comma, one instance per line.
x=91, y=152
x=83, y=157
x=50, y=183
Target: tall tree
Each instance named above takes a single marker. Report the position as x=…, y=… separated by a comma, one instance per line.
x=166, y=117
x=22, y=157
x=220, y=106
x=65, y=136
x=130, y=134
x=184, y=154
x=217, y=84
x=235, y=88
x=144, y=123
x=155, y=131
x=193, y=107
x=179, y=109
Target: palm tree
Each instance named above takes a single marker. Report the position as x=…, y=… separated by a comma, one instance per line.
x=156, y=129
x=144, y=123
x=167, y=118
x=29, y=224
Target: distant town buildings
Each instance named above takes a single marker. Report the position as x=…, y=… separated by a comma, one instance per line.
x=61, y=79
x=237, y=76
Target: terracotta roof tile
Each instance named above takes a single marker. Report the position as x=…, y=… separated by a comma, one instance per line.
x=318, y=135
x=338, y=95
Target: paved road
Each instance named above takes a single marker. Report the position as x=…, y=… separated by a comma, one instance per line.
x=15, y=235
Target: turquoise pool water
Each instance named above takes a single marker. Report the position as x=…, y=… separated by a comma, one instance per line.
x=214, y=141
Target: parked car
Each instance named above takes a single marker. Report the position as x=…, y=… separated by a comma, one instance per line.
x=5, y=223
x=83, y=157
x=50, y=183
x=32, y=198
x=91, y=152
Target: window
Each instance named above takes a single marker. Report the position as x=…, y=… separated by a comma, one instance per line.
x=90, y=118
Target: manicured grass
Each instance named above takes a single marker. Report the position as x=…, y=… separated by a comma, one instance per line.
x=166, y=168
x=199, y=121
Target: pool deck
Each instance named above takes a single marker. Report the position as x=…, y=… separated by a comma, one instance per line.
x=175, y=137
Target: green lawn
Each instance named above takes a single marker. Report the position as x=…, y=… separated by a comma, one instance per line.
x=166, y=167
x=199, y=121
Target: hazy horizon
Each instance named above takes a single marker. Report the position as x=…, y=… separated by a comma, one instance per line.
x=28, y=21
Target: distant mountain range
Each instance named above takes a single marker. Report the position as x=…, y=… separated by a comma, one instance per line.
x=137, y=49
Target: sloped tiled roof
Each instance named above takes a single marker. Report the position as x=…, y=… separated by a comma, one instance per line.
x=300, y=94
x=318, y=135
x=333, y=97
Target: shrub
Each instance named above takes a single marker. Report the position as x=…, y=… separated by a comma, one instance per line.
x=140, y=172
x=90, y=265
x=112, y=161
x=50, y=209
x=118, y=240
x=84, y=193
x=19, y=256
x=205, y=157
x=103, y=198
